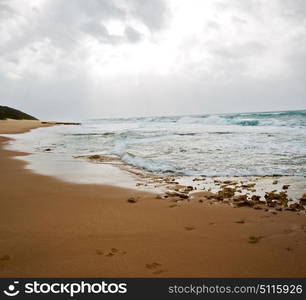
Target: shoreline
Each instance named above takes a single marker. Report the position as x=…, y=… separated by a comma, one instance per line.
x=273, y=193
x=284, y=191
x=78, y=230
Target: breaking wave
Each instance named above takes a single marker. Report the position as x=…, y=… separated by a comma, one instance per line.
x=265, y=143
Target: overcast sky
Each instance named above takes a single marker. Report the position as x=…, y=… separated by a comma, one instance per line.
x=80, y=59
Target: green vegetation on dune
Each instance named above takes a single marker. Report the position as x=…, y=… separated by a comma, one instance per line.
x=11, y=113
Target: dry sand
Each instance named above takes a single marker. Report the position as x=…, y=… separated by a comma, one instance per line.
x=19, y=126
x=52, y=228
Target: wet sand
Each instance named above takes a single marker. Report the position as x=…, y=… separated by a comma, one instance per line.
x=51, y=228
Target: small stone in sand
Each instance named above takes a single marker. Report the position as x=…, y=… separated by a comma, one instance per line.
x=286, y=186
x=131, y=200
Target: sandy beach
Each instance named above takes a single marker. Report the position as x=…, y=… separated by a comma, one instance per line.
x=51, y=228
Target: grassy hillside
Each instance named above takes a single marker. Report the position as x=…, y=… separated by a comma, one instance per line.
x=11, y=113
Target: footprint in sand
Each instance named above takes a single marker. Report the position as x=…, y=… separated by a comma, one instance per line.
x=158, y=272
x=155, y=267
x=240, y=222
x=5, y=257
x=255, y=239
x=287, y=230
x=99, y=252
x=189, y=228
x=111, y=252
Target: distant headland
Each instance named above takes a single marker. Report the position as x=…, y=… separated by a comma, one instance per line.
x=12, y=113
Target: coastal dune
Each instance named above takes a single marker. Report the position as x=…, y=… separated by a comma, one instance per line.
x=51, y=228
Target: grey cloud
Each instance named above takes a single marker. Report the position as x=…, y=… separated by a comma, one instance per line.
x=212, y=25
x=247, y=6
x=63, y=22
x=33, y=49
x=238, y=51
x=51, y=34
x=96, y=29
x=42, y=67
x=152, y=13
x=100, y=32
x=14, y=60
x=239, y=21
x=6, y=11
x=132, y=34
x=295, y=9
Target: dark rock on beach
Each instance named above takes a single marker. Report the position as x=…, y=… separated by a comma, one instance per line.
x=131, y=200
x=241, y=198
x=245, y=204
x=227, y=192
x=177, y=194
x=296, y=206
x=303, y=200
x=255, y=198
x=280, y=198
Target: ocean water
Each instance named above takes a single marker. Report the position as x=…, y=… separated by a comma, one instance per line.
x=244, y=144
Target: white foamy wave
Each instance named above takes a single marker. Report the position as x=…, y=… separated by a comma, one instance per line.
x=147, y=164
x=211, y=145
x=205, y=120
